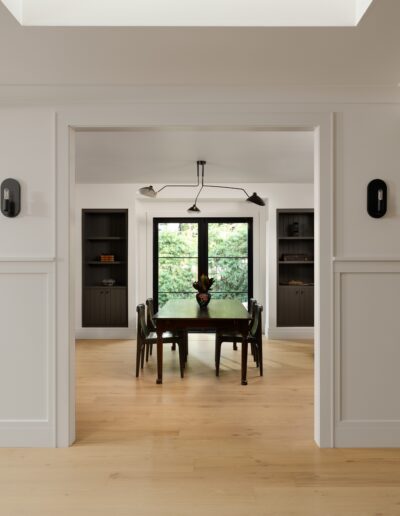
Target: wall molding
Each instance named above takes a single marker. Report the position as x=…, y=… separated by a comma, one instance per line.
x=106, y=333
x=27, y=432
x=366, y=433
x=290, y=333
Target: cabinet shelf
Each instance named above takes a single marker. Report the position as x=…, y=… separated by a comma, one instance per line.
x=295, y=302
x=104, y=263
x=104, y=232
x=105, y=238
x=296, y=238
x=293, y=262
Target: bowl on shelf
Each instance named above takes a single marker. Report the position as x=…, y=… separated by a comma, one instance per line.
x=108, y=282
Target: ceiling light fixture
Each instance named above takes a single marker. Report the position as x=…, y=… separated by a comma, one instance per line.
x=149, y=191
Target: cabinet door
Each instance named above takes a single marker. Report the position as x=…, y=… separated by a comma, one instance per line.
x=95, y=307
x=118, y=307
x=288, y=306
x=307, y=306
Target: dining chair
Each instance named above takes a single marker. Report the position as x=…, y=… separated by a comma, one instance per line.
x=146, y=338
x=252, y=302
x=254, y=338
x=151, y=324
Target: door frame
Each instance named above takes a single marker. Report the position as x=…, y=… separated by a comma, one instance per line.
x=222, y=116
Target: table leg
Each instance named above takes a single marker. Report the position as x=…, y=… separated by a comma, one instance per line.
x=159, y=357
x=244, y=359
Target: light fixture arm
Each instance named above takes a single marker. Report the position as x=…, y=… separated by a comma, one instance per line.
x=187, y=186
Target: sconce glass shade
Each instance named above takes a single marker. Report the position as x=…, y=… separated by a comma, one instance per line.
x=148, y=191
x=255, y=199
x=194, y=209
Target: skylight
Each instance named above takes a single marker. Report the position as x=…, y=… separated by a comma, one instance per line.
x=196, y=13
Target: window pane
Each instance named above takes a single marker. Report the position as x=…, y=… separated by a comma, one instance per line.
x=242, y=297
x=227, y=239
x=177, y=239
x=230, y=274
x=176, y=274
x=163, y=297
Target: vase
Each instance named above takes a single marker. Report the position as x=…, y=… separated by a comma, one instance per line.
x=203, y=299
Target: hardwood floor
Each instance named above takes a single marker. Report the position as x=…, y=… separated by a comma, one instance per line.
x=197, y=447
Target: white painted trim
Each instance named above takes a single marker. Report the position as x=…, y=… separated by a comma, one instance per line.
x=27, y=259
x=359, y=433
x=250, y=116
x=106, y=333
x=367, y=434
x=288, y=333
x=362, y=259
x=36, y=433
x=27, y=434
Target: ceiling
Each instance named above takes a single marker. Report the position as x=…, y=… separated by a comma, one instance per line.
x=160, y=156
x=156, y=13
x=364, y=56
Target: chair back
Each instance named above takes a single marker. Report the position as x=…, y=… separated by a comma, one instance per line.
x=252, y=303
x=142, y=329
x=255, y=329
x=150, y=313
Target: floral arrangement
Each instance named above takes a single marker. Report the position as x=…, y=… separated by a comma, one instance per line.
x=203, y=286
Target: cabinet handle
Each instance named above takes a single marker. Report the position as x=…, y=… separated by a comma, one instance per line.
x=302, y=292
x=297, y=291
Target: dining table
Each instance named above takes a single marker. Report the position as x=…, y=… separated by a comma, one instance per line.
x=183, y=315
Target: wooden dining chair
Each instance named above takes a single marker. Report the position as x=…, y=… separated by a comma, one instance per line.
x=151, y=324
x=252, y=303
x=254, y=338
x=147, y=338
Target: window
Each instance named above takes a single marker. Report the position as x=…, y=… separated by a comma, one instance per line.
x=185, y=248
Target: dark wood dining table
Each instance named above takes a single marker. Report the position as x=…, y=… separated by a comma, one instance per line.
x=184, y=315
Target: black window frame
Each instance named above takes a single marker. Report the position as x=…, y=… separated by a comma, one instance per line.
x=202, y=253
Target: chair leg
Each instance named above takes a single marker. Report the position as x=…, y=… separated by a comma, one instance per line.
x=147, y=352
x=142, y=351
x=235, y=345
x=260, y=357
x=138, y=354
x=151, y=349
x=173, y=347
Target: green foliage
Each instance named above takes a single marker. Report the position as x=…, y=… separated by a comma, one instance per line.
x=178, y=267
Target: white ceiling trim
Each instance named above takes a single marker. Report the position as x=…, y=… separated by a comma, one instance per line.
x=159, y=13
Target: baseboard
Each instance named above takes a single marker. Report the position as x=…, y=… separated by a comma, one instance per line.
x=105, y=333
x=367, y=434
x=290, y=333
x=27, y=434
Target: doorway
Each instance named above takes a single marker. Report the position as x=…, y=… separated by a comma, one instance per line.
x=322, y=130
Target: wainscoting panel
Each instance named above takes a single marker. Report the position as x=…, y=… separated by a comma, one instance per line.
x=27, y=353
x=367, y=353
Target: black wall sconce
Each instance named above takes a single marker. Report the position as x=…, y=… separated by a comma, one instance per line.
x=377, y=198
x=10, y=198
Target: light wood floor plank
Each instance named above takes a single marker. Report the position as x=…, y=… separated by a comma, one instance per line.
x=199, y=446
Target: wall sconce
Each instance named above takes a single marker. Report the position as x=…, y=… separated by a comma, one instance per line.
x=377, y=198
x=10, y=198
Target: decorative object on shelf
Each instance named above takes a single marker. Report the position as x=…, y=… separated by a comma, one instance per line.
x=108, y=282
x=203, y=286
x=377, y=198
x=296, y=258
x=294, y=229
x=106, y=258
x=148, y=191
x=10, y=198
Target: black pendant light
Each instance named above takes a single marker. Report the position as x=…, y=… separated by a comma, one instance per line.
x=149, y=191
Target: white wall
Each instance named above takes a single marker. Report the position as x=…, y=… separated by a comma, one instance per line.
x=27, y=280
x=141, y=213
x=367, y=253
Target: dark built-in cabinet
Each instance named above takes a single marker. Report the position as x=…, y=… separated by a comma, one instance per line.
x=104, y=233
x=295, y=255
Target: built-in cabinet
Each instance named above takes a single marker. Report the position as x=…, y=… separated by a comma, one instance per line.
x=295, y=267
x=105, y=268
